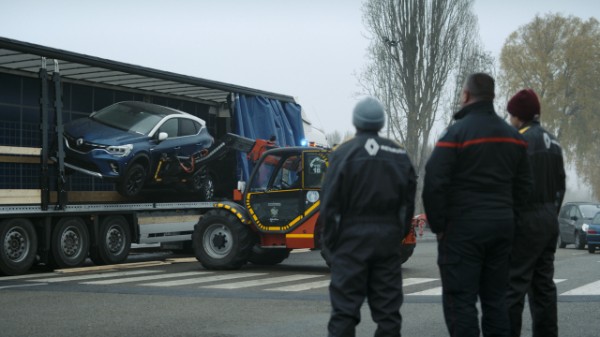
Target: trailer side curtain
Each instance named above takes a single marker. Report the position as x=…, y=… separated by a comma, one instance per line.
x=260, y=118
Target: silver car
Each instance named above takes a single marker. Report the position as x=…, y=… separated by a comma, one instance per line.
x=574, y=220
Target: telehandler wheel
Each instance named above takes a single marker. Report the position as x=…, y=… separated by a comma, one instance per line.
x=113, y=242
x=268, y=256
x=70, y=243
x=18, y=246
x=221, y=241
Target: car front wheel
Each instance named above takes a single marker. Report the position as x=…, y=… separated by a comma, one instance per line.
x=132, y=182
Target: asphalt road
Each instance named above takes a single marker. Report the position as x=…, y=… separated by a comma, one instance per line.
x=159, y=294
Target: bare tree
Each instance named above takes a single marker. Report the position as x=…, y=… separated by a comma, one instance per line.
x=415, y=50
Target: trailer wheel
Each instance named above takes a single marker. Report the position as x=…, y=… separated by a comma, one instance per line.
x=19, y=246
x=113, y=242
x=221, y=241
x=268, y=256
x=70, y=243
x=132, y=182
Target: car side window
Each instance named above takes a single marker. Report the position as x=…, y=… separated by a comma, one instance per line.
x=574, y=212
x=170, y=127
x=187, y=127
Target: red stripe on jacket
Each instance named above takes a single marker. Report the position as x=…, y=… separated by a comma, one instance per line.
x=482, y=141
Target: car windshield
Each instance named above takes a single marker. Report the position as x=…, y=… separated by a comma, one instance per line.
x=596, y=220
x=589, y=211
x=128, y=117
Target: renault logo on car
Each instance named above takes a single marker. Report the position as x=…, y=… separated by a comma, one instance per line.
x=79, y=141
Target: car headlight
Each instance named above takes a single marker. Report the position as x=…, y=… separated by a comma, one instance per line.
x=120, y=150
x=585, y=227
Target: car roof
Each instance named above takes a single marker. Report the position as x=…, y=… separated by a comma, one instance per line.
x=162, y=110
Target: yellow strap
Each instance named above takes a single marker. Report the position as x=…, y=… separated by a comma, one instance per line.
x=523, y=130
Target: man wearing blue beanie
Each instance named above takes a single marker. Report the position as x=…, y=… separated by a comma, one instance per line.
x=367, y=205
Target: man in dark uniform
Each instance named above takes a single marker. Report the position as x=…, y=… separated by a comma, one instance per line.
x=367, y=204
x=534, y=245
x=477, y=173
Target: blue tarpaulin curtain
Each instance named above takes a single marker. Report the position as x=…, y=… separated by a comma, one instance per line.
x=260, y=118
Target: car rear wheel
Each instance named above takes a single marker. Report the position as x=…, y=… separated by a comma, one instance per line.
x=591, y=249
x=132, y=182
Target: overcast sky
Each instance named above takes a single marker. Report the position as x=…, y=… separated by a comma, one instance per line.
x=309, y=49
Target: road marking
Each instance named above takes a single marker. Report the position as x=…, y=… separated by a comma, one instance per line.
x=201, y=280
x=559, y=280
x=303, y=286
x=23, y=285
x=412, y=281
x=112, y=267
x=19, y=277
x=588, y=289
x=429, y=292
x=93, y=276
x=246, y=284
x=301, y=250
x=147, y=278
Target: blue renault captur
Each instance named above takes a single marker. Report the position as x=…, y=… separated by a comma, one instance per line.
x=129, y=142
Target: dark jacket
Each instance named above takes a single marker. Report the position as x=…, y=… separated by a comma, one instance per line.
x=478, y=169
x=369, y=180
x=546, y=160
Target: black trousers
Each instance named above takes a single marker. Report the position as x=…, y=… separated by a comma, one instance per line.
x=365, y=263
x=473, y=262
x=532, y=272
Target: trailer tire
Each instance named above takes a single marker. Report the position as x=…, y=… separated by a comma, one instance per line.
x=113, y=242
x=221, y=241
x=70, y=243
x=268, y=256
x=18, y=241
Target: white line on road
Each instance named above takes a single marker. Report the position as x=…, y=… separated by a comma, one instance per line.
x=303, y=286
x=411, y=281
x=93, y=276
x=201, y=280
x=19, y=277
x=147, y=278
x=588, y=289
x=260, y=282
x=23, y=285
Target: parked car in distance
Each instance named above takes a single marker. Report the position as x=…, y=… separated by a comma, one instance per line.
x=593, y=235
x=136, y=143
x=574, y=221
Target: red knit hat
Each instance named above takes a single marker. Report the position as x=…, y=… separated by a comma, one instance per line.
x=524, y=105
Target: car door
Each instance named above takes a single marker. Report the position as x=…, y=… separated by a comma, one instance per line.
x=574, y=218
x=563, y=223
x=166, y=148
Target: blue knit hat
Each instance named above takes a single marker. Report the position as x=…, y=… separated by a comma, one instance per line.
x=368, y=115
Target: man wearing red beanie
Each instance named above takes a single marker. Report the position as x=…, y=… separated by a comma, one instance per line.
x=534, y=245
